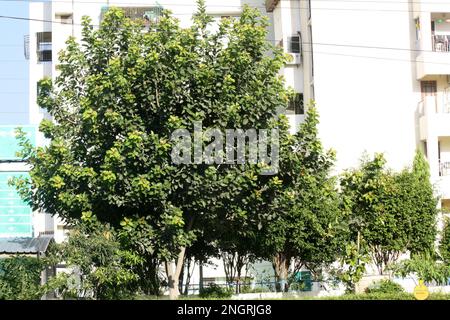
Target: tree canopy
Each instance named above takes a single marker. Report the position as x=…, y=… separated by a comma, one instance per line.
x=120, y=93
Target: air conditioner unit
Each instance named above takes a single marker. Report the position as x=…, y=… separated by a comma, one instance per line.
x=294, y=59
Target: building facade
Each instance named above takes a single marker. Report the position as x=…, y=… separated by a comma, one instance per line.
x=379, y=72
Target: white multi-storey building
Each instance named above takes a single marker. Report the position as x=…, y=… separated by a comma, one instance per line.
x=379, y=72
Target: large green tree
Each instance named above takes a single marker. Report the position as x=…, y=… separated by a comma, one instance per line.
x=120, y=94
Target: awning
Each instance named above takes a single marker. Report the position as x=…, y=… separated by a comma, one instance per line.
x=24, y=245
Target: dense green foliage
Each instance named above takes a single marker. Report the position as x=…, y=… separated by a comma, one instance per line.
x=119, y=96
x=214, y=291
x=392, y=212
x=385, y=286
x=20, y=278
x=97, y=265
x=388, y=296
x=302, y=215
x=425, y=267
x=444, y=247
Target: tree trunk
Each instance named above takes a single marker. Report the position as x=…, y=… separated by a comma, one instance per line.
x=281, y=263
x=173, y=271
x=200, y=270
x=188, y=275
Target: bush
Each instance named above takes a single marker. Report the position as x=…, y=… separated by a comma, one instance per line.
x=388, y=296
x=385, y=286
x=20, y=278
x=214, y=291
x=425, y=266
x=377, y=296
x=248, y=289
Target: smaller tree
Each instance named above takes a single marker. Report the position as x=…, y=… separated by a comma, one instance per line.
x=391, y=212
x=301, y=212
x=99, y=267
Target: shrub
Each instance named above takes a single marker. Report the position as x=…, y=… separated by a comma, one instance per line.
x=248, y=289
x=425, y=267
x=214, y=291
x=385, y=286
x=20, y=278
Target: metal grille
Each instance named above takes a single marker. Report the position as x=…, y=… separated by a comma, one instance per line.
x=26, y=46
x=44, y=46
x=444, y=168
x=148, y=14
x=441, y=43
x=294, y=44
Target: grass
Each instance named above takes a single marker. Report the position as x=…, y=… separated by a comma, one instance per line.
x=363, y=296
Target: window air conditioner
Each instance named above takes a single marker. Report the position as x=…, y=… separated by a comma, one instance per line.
x=294, y=59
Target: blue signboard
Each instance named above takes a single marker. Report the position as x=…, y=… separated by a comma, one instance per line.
x=15, y=215
x=8, y=142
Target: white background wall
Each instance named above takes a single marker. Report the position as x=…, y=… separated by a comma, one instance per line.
x=366, y=97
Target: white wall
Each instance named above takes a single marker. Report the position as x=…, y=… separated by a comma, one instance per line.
x=365, y=104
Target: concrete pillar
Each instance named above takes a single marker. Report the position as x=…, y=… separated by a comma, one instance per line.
x=433, y=156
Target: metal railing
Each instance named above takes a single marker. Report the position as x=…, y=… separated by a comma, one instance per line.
x=433, y=104
x=444, y=168
x=26, y=46
x=254, y=287
x=441, y=43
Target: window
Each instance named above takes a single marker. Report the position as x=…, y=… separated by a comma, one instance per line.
x=294, y=44
x=64, y=18
x=44, y=46
x=150, y=15
x=295, y=105
x=428, y=88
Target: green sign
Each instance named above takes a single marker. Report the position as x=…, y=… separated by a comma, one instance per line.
x=15, y=215
x=8, y=142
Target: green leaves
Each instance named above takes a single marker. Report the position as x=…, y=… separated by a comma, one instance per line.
x=119, y=95
x=444, y=247
x=299, y=215
x=20, y=278
x=425, y=267
x=106, y=267
x=395, y=212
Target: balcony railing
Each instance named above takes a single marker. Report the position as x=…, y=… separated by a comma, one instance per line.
x=444, y=168
x=441, y=43
x=433, y=104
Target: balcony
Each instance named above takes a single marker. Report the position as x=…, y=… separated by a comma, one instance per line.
x=434, y=118
x=443, y=186
x=433, y=39
x=434, y=63
x=444, y=168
